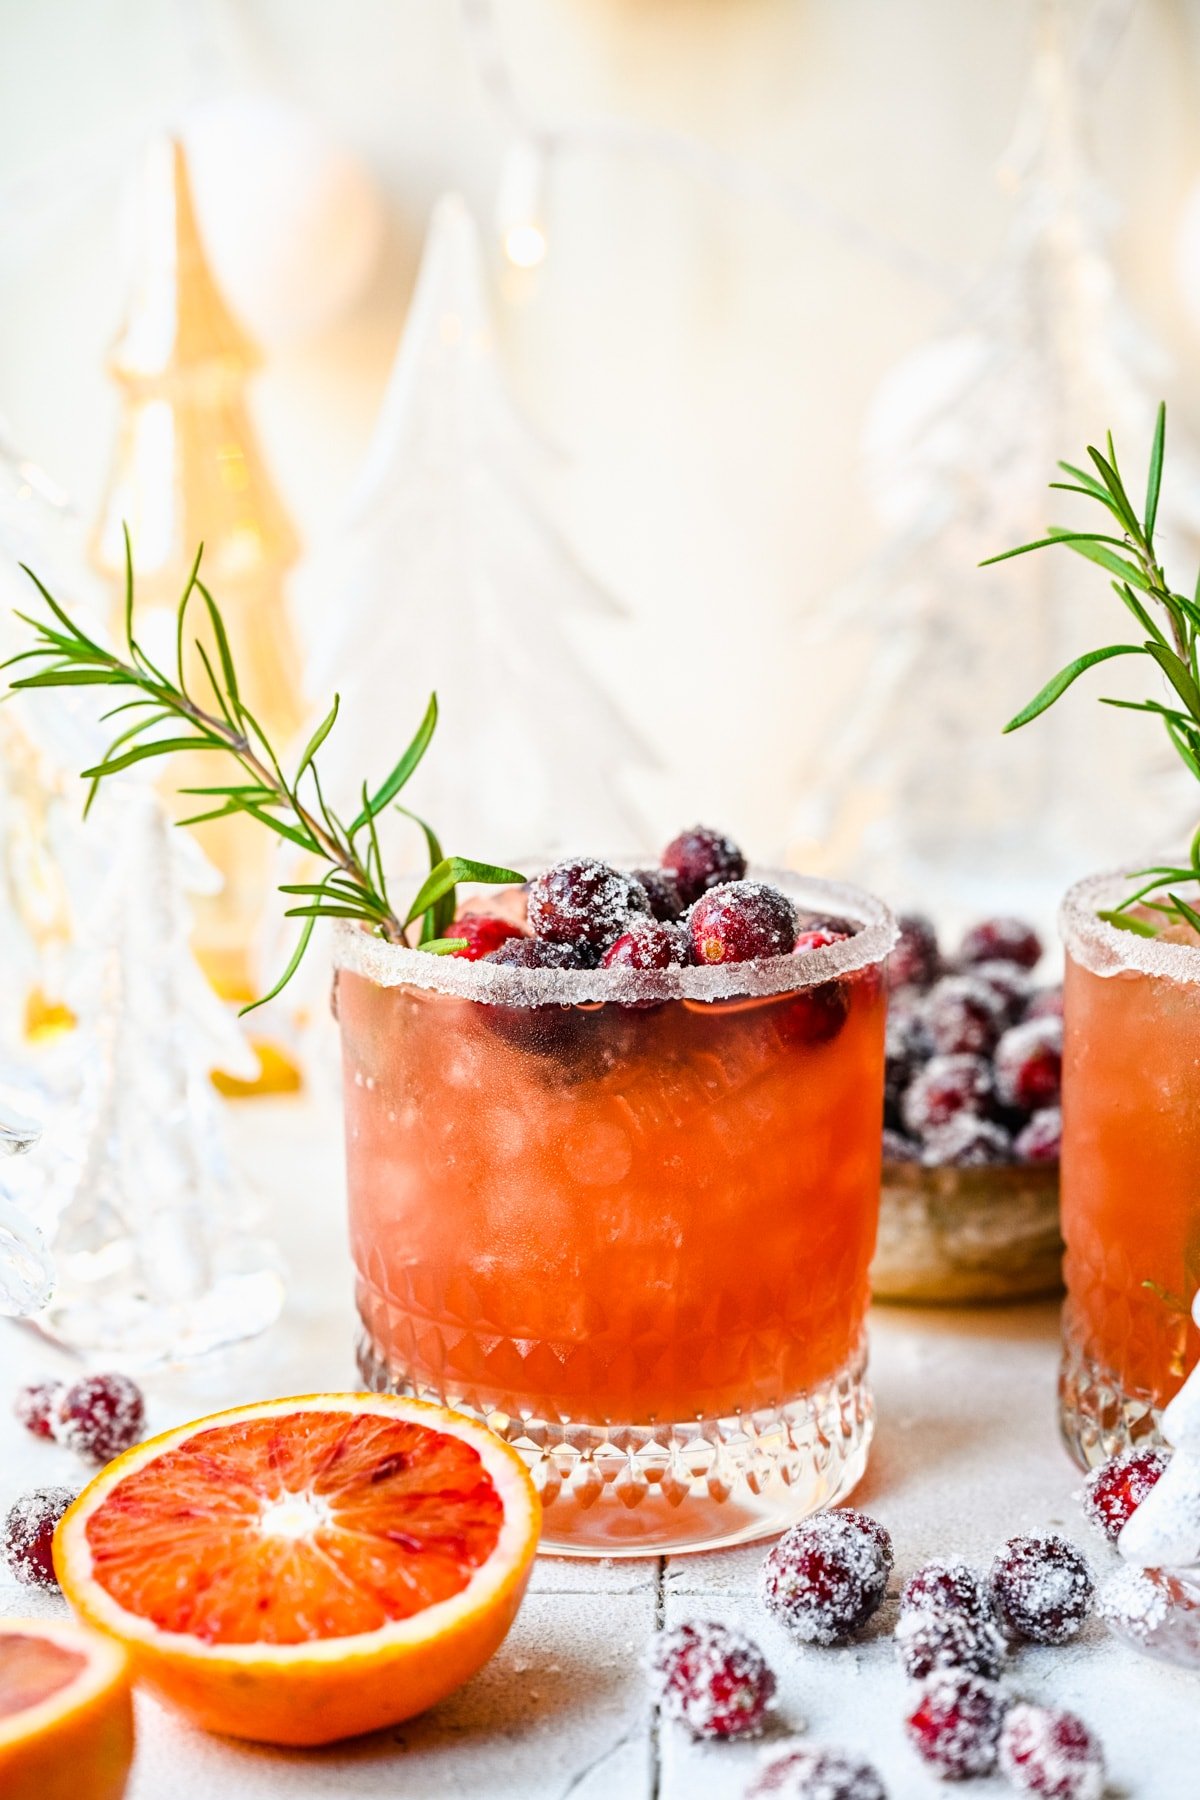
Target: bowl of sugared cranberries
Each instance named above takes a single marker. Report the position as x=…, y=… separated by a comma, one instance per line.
x=972, y=1121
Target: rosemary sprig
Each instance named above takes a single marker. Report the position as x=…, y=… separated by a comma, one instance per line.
x=1168, y=633
x=355, y=886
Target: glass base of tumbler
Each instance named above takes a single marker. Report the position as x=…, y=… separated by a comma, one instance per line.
x=1098, y=1417
x=699, y=1484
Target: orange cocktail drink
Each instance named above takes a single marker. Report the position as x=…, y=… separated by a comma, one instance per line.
x=627, y=1216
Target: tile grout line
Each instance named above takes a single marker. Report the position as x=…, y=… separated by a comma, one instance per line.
x=660, y=1619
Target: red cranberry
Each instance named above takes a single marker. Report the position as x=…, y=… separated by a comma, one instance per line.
x=35, y=1404
x=1046, y=1003
x=1001, y=940
x=813, y=1016
x=539, y=953
x=945, y=1086
x=29, y=1535
x=483, y=934
x=713, y=1680
x=1009, y=982
x=811, y=1772
x=962, y=1016
x=1052, y=1753
x=648, y=944
x=1113, y=1492
x=927, y=1640
x=965, y=1142
x=701, y=859
x=947, y=1585
x=818, y=938
x=955, y=1723
x=835, y=923
x=899, y=1149
x=741, y=921
x=1028, y=1064
x=906, y=1049
x=915, y=959
x=582, y=901
x=99, y=1416
x=826, y=1576
x=1042, y=1588
x=662, y=891
x=1040, y=1140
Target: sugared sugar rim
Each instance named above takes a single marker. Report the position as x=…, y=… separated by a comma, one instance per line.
x=1104, y=949
x=392, y=965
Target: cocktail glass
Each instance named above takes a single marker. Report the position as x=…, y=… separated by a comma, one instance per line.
x=1130, y=1172
x=627, y=1218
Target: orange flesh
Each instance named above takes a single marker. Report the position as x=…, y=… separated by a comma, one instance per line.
x=287, y=1530
x=32, y=1669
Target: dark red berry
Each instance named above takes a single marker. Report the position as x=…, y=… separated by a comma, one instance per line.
x=1010, y=983
x=915, y=959
x=962, y=1015
x=29, y=1535
x=483, y=934
x=99, y=1416
x=648, y=944
x=539, y=953
x=1046, y=1003
x=945, y=1086
x=1049, y=1752
x=826, y=1576
x=835, y=923
x=927, y=1640
x=701, y=859
x=1113, y=1492
x=1042, y=1588
x=899, y=1149
x=1040, y=1139
x=811, y=1772
x=955, y=1723
x=1028, y=1063
x=662, y=891
x=965, y=1142
x=34, y=1405
x=815, y=1015
x=582, y=901
x=1001, y=940
x=740, y=922
x=947, y=1585
x=818, y=938
x=907, y=1048
x=714, y=1680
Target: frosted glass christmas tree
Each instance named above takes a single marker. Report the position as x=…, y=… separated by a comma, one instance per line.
x=450, y=575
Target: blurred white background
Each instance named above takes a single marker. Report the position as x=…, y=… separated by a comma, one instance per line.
x=707, y=360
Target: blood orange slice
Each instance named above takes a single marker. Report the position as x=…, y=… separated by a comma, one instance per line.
x=66, y=1723
x=304, y=1570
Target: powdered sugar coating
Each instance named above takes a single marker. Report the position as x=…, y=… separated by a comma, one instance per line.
x=962, y=1015
x=1051, y=1753
x=1104, y=949
x=584, y=901
x=827, y=1575
x=1042, y=1587
x=33, y=1407
x=1113, y=1492
x=947, y=1584
x=393, y=965
x=29, y=1534
x=99, y=1416
x=955, y=1723
x=813, y=1772
x=713, y=1679
x=927, y=1640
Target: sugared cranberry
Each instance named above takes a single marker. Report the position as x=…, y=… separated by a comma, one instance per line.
x=1001, y=940
x=99, y=1416
x=818, y=937
x=899, y=1149
x=648, y=944
x=1010, y=983
x=35, y=1404
x=833, y=922
x=965, y=1142
x=945, y=1086
x=1028, y=1064
x=947, y=1585
x=906, y=1049
x=1046, y=1003
x=927, y=1639
x=915, y=959
x=662, y=891
x=702, y=858
x=482, y=933
x=582, y=901
x=539, y=953
x=962, y=1016
x=955, y=1723
x=1042, y=1588
x=29, y=1535
x=1040, y=1140
x=1052, y=1753
x=714, y=1680
x=741, y=921
x=826, y=1576
x=1113, y=1492
x=811, y=1772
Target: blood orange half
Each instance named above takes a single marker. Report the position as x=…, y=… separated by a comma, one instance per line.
x=66, y=1723
x=304, y=1570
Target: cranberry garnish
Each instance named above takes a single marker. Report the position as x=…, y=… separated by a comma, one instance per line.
x=1042, y=1587
x=962, y=1015
x=1040, y=1140
x=1046, y=1003
x=1113, y=1492
x=539, y=953
x=1046, y=1751
x=955, y=1723
x=927, y=1640
x=945, y=1086
x=741, y=921
x=29, y=1535
x=702, y=858
x=35, y=1404
x=1001, y=940
x=815, y=1015
x=582, y=901
x=818, y=937
x=965, y=1142
x=1028, y=1064
x=713, y=1680
x=99, y=1416
x=826, y=1576
x=811, y=1772
x=915, y=959
x=947, y=1585
x=483, y=934
x=662, y=891
x=1009, y=982
x=899, y=1149
x=648, y=944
